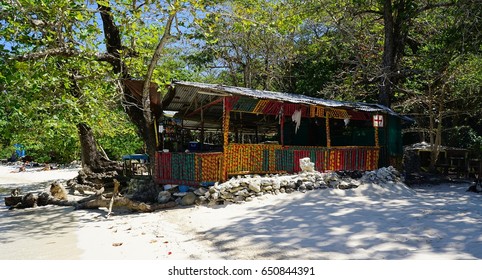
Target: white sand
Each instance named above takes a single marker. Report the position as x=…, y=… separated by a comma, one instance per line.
x=371, y=222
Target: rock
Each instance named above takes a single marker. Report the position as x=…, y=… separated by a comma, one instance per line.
x=214, y=196
x=201, y=200
x=227, y=196
x=266, y=182
x=255, y=186
x=12, y=200
x=239, y=199
x=188, y=199
x=306, y=165
x=243, y=193
x=163, y=197
x=15, y=192
x=268, y=188
x=29, y=200
x=145, y=190
x=289, y=190
x=58, y=191
x=344, y=185
x=179, y=194
x=298, y=183
x=201, y=191
x=308, y=185
x=291, y=185
x=43, y=199
x=333, y=184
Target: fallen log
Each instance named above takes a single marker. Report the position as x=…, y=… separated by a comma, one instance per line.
x=92, y=202
x=124, y=202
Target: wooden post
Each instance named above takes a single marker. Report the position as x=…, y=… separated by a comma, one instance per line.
x=156, y=132
x=328, y=137
x=201, y=134
x=226, y=113
x=282, y=121
x=377, y=144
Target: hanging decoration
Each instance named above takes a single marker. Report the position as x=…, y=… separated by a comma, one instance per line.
x=260, y=106
x=337, y=113
x=296, y=117
x=193, y=168
x=317, y=111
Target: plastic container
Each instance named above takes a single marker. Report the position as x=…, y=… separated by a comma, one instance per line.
x=193, y=146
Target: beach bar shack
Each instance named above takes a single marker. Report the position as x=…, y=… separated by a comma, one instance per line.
x=218, y=131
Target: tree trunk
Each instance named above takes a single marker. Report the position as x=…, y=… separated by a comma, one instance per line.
x=388, y=58
x=438, y=138
x=150, y=130
x=92, y=159
x=133, y=107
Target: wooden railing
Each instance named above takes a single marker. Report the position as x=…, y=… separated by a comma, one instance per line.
x=188, y=168
x=194, y=168
x=256, y=158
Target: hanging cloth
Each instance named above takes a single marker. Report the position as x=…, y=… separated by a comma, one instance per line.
x=296, y=117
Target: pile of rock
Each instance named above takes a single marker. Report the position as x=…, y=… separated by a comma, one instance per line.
x=246, y=188
x=382, y=175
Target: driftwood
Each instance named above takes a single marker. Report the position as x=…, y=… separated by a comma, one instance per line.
x=13, y=200
x=97, y=200
x=125, y=202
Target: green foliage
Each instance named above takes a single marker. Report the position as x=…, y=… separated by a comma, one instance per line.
x=43, y=99
x=327, y=48
x=464, y=137
x=250, y=43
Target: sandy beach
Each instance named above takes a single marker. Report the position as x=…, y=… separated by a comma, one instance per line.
x=389, y=222
x=61, y=233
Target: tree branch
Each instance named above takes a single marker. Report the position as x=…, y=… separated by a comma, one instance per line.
x=64, y=52
x=434, y=6
x=146, y=101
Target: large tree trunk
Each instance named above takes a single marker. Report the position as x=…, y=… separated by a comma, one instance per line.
x=388, y=58
x=397, y=17
x=92, y=159
x=133, y=106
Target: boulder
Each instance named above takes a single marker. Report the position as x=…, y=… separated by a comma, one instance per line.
x=255, y=186
x=58, y=191
x=188, y=199
x=163, y=197
x=306, y=165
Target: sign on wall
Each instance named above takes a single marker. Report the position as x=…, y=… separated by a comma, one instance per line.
x=377, y=120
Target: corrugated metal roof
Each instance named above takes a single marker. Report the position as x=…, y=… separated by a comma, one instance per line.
x=190, y=92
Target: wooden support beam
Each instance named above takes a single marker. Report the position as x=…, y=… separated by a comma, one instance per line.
x=377, y=142
x=328, y=136
x=226, y=115
x=282, y=121
x=219, y=100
